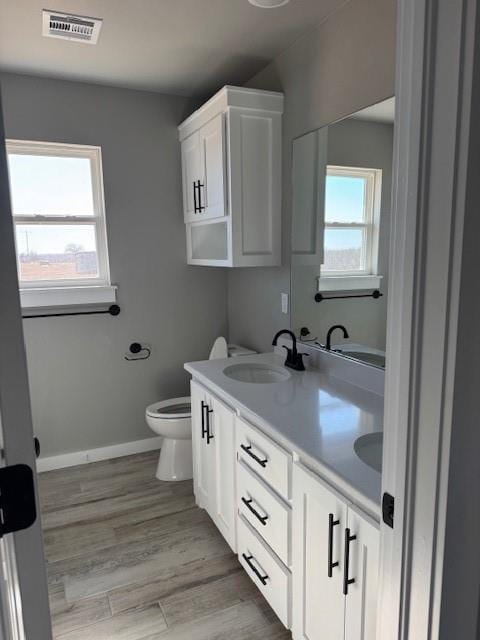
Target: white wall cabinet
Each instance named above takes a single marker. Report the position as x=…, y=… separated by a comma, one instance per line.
x=335, y=564
x=214, y=460
x=231, y=173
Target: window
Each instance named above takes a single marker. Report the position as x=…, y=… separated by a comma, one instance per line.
x=58, y=212
x=352, y=211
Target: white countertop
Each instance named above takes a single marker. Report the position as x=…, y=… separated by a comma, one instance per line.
x=312, y=414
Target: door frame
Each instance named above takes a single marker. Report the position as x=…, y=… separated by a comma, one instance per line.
x=429, y=584
x=29, y=593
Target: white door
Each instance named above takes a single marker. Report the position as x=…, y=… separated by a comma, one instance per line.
x=361, y=599
x=222, y=423
x=203, y=450
x=192, y=176
x=24, y=612
x=319, y=520
x=212, y=190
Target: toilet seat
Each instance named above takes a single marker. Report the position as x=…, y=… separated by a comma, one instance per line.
x=173, y=409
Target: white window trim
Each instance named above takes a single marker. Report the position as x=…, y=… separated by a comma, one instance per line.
x=368, y=278
x=52, y=293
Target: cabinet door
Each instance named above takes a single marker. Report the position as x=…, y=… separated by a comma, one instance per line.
x=212, y=191
x=192, y=173
x=319, y=520
x=222, y=429
x=361, y=601
x=203, y=452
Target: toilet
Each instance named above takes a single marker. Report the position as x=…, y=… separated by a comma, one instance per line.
x=172, y=419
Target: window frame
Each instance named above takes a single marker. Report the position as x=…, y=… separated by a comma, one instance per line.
x=371, y=225
x=98, y=219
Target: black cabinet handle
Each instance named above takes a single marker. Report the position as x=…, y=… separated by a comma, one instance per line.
x=331, y=523
x=209, y=434
x=200, y=205
x=248, y=504
x=346, y=580
x=248, y=451
x=248, y=560
x=204, y=431
x=195, y=206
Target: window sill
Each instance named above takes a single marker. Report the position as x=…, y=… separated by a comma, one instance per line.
x=38, y=298
x=349, y=283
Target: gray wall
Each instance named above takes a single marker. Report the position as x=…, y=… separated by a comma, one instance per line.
x=345, y=64
x=353, y=143
x=84, y=394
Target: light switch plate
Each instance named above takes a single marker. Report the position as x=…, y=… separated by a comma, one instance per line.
x=284, y=302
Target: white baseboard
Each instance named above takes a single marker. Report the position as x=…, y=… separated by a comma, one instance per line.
x=95, y=455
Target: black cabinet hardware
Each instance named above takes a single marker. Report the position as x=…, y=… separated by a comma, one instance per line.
x=248, y=560
x=36, y=443
x=248, y=450
x=204, y=432
x=17, y=498
x=388, y=509
x=248, y=504
x=195, y=206
x=200, y=205
x=331, y=523
x=346, y=580
x=209, y=434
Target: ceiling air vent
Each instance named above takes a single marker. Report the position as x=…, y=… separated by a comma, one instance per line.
x=71, y=27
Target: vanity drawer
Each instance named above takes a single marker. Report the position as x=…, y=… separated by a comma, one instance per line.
x=271, y=577
x=265, y=457
x=267, y=513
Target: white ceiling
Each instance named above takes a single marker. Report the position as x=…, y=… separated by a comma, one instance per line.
x=184, y=47
x=381, y=112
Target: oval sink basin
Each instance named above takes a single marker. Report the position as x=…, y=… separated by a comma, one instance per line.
x=369, y=449
x=256, y=373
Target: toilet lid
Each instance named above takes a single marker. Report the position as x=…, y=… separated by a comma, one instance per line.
x=173, y=408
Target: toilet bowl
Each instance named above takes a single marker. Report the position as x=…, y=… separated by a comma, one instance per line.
x=172, y=419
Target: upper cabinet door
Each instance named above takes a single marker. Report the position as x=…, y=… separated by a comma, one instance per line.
x=192, y=176
x=319, y=520
x=212, y=190
x=361, y=601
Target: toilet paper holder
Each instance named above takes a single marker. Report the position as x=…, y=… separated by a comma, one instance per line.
x=138, y=351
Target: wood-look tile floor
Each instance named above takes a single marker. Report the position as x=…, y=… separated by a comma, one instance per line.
x=132, y=558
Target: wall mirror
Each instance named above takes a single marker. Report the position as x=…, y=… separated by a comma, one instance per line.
x=341, y=203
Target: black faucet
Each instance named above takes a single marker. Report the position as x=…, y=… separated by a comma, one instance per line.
x=328, y=343
x=294, y=359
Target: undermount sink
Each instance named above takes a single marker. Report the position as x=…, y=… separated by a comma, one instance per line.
x=369, y=449
x=256, y=373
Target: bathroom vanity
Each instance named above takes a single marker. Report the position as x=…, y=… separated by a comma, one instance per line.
x=284, y=467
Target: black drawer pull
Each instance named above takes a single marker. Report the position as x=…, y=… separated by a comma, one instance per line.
x=248, y=560
x=248, y=504
x=331, y=523
x=248, y=450
x=346, y=581
x=204, y=431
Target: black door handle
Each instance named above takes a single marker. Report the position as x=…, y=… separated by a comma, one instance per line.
x=203, y=420
x=248, y=504
x=346, y=580
x=248, y=560
x=331, y=523
x=195, y=205
x=248, y=450
x=200, y=205
x=209, y=434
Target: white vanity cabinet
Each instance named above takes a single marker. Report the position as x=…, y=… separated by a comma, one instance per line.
x=231, y=174
x=335, y=564
x=310, y=551
x=213, y=444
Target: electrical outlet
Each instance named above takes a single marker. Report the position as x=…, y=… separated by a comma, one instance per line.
x=284, y=302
